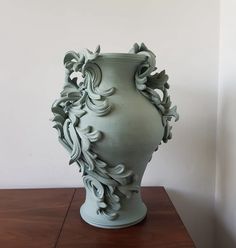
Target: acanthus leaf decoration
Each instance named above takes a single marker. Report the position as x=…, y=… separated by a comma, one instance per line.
x=147, y=81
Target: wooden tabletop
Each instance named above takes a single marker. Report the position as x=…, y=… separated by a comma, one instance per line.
x=33, y=218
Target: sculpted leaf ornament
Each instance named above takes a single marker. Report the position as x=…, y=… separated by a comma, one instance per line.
x=147, y=83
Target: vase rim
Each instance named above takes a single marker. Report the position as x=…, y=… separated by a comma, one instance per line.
x=122, y=56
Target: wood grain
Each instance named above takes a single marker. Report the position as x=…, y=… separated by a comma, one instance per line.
x=32, y=218
x=161, y=228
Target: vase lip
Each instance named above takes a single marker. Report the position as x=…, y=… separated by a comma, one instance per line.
x=122, y=56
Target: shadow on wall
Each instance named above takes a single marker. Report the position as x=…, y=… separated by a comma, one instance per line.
x=200, y=227
x=196, y=226
x=225, y=236
x=226, y=240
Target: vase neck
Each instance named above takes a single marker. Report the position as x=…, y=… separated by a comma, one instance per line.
x=118, y=73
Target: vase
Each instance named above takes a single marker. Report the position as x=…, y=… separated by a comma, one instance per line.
x=113, y=113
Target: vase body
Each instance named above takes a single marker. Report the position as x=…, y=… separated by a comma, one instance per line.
x=111, y=122
x=132, y=131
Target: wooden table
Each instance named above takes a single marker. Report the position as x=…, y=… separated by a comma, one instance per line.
x=45, y=218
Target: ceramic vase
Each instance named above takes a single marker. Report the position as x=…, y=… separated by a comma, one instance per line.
x=113, y=113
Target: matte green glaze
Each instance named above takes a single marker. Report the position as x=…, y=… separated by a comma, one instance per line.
x=111, y=122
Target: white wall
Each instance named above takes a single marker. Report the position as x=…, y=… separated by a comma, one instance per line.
x=184, y=35
x=226, y=138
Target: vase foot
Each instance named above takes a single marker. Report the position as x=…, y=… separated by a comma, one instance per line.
x=125, y=219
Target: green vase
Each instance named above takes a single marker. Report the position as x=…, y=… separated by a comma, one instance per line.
x=111, y=119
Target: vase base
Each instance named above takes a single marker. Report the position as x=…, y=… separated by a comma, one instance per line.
x=121, y=222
